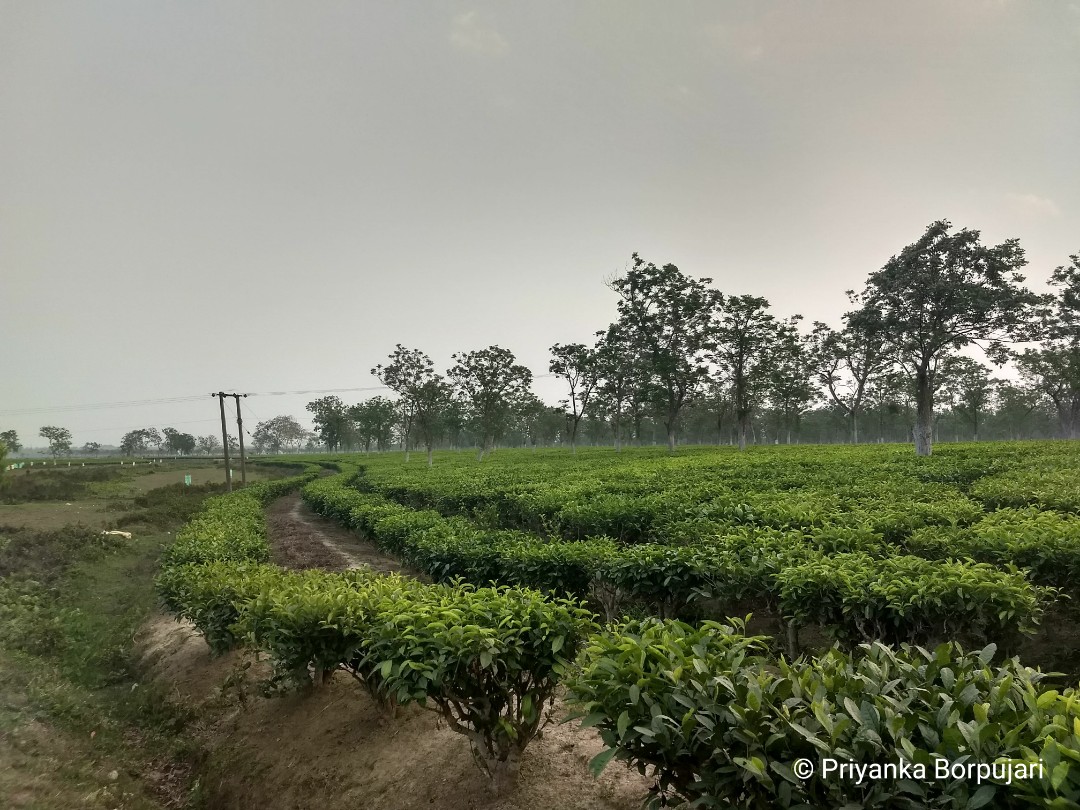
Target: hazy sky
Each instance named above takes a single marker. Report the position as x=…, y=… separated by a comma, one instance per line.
x=267, y=196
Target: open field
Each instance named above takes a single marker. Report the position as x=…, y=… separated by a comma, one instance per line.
x=104, y=494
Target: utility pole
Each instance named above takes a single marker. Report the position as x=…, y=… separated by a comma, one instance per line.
x=225, y=438
x=240, y=431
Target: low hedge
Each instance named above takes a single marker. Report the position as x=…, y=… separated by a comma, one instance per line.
x=486, y=659
x=844, y=578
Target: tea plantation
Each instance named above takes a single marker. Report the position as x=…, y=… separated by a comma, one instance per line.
x=898, y=605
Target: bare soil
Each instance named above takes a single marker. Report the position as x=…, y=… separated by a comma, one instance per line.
x=332, y=746
x=299, y=538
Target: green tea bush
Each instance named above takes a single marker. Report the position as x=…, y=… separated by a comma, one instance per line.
x=1043, y=488
x=486, y=659
x=721, y=725
x=1047, y=544
x=910, y=599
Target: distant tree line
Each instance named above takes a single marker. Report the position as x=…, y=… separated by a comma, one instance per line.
x=685, y=362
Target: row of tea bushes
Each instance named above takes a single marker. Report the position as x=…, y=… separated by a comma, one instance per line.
x=1047, y=543
x=858, y=596
x=723, y=725
x=487, y=659
x=890, y=509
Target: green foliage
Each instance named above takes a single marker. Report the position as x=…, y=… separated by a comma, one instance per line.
x=487, y=659
x=722, y=724
x=1047, y=544
x=814, y=569
x=60, y=484
x=1044, y=488
x=59, y=439
x=909, y=599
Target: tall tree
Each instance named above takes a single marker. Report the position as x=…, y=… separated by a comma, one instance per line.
x=424, y=393
x=746, y=338
x=493, y=385
x=849, y=361
x=431, y=399
x=1015, y=406
x=970, y=389
x=331, y=421
x=577, y=364
x=139, y=441
x=374, y=420
x=208, y=444
x=943, y=292
x=666, y=316
x=790, y=382
x=176, y=442
x=11, y=439
x=59, y=439
x=277, y=434
x=618, y=374
x=1054, y=368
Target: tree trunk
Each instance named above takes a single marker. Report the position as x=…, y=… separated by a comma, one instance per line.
x=618, y=438
x=429, y=462
x=924, y=414
x=744, y=429
x=671, y=437
x=854, y=427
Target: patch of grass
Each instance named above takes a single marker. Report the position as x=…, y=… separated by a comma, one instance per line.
x=81, y=727
x=25, y=486
x=169, y=505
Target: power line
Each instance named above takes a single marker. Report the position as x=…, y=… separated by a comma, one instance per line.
x=136, y=403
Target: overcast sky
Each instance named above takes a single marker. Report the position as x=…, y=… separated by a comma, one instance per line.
x=267, y=196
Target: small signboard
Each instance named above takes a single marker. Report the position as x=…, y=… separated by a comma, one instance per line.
x=187, y=480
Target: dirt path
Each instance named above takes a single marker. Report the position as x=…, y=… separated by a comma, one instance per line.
x=299, y=538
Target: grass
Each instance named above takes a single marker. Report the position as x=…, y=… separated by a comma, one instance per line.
x=62, y=484
x=79, y=727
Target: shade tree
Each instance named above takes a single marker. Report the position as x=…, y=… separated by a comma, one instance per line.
x=208, y=444
x=666, y=317
x=847, y=362
x=331, y=420
x=1054, y=367
x=423, y=394
x=493, y=385
x=59, y=439
x=577, y=364
x=969, y=389
x=374, y=421
x=277, y=434
x=10, y=438
x=945, y=291
x=745, y=341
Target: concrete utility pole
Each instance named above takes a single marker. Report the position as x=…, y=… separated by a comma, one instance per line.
x=225, y=439
x=240, y=433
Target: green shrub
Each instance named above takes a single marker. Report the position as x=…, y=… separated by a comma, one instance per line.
x=722, y=725
x=910, y=599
